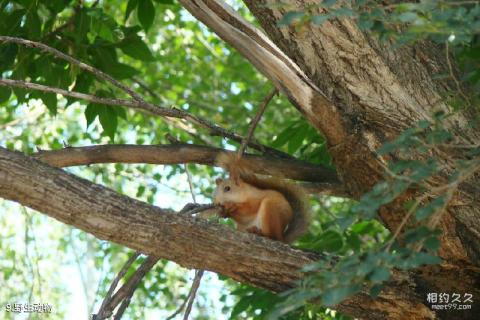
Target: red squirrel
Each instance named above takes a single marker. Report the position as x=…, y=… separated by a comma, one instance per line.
x=269, y=207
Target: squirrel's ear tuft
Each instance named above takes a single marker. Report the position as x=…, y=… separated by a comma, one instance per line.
x=218, y=181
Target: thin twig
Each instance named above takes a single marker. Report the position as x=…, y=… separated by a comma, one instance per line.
x=78, y=262
x=254, y=122
x=448, y=189
x=193, y=292
x=160, y=111
x=141, y=103
x=404, y=221
x=27, y=254
x=70, y=59
x=125, y=293
x=198, y=273
x=106, y=301
x=190, y=183
x=452, y=74
x=193, y=208
x=145, y=87
x=180, y=309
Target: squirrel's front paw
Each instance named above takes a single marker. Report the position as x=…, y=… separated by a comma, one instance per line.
x=223, y=213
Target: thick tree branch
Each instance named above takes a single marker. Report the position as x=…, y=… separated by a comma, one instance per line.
x=188, y=241
x=191, y=242
x=183, y=153
x=360, y=93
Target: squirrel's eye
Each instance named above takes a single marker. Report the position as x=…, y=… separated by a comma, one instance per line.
x=226, y=189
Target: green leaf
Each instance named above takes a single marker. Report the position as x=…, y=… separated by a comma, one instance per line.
x=353, y=240
x=474, y=152
x=417, y=234
x=131, y=5
x=329, y=241
x=343, y=12
x=425, y=170
x=375, y=290
x=319, y=19
x=379, y=274
x=242, y=305
x=296, y=140
x=13, y=21
x=363, y=227
x=33, y=25
x=122, y=71
x=105, y=32
x=108, y=120
x=56, y=5
x=407, y=17
x=146, y=13
x=421, y=258
x=365, y=22
x=140, y=191
x=91, y=112
x=283, y=137
x=103, y=26
x=82, y=25
x=134, y=47
x=5, y=93
x=50, y=101
x=336, y=295
x=121, y=112
x=328, y=3
x=432, y=243
x=366, y=267
x=21, y=94
x=290, y=17
x=8, y=52
x=427, y=210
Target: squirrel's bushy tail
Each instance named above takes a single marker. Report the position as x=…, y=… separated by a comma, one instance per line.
x=295, y=195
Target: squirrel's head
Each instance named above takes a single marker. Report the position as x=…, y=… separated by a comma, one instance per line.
x=228, y=190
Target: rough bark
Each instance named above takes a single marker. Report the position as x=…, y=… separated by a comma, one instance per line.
x=378, y=91
x=359, y=94
x=315, y=179
x=188, y=241
x=183, y=153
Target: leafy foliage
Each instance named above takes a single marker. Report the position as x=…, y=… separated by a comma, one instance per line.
x=158, y=50
x=167, y=62
x=355, y=263
x=362, y=254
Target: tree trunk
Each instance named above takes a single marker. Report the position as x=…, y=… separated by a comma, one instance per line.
x=379, y=91
x=359, y=94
